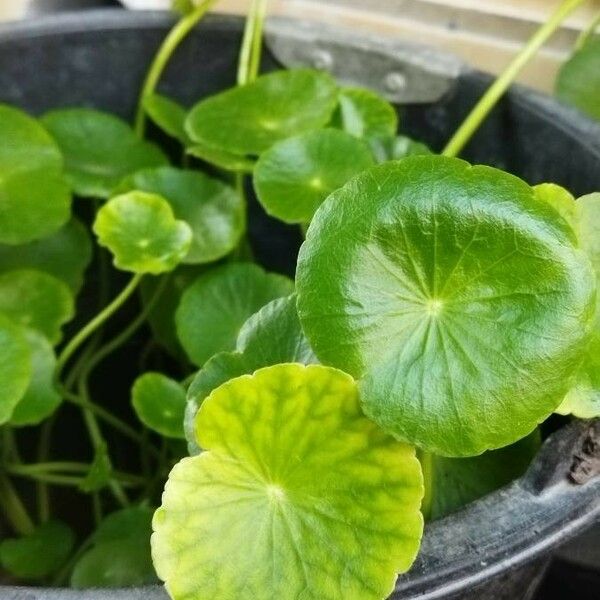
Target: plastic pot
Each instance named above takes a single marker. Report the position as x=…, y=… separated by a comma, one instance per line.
x=495, y=548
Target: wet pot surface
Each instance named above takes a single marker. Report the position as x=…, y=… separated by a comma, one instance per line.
x=492, y=549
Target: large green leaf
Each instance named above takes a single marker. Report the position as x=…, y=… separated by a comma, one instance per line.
x=271, y=336
x=214, y=308
x=15, y=366
x=41, y=398
x=451, y=483
x=64, y=254
x=142, y=233
x=249, y=119
x=39, y=554
x=159, y=403
x=458, y=298
x=37, y=300
x=298, y=495
x=294, y=176
x=214, y=211
x=365, y=114
x=34, y=197
x=578, y=81
x=120, y=552
x=99, y=149
x=168, y=115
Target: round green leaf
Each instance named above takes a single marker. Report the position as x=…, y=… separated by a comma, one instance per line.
x=220, y=158
x=219, y=369
x=249, y=119
x=37, y=300
x=459, y=299
x=168, y=115
x=39, y=554
x=142, y=233
x=588, y=230
x=99, y=149
x=65, y=254
x=299, y=495
x=120, y=554
x=295, y=175
x=41, y=398
x=214, y=308
x=34, y=198
x=397, y=148
x=452, y=483
x=560, y=199
x=365, y=114
x=15, y=366
x=578, y=81
x=214, y=211
x=273, y=335
x=159, y=403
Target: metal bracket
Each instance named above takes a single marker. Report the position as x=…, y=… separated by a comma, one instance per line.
x=404, y=73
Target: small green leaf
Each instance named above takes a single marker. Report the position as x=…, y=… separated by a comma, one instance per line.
x=271, y=336
x=159, y=403
x=214, y=308
x=168, y=115
x=34, y=197
x=100, y=471
x=294, y=176
x=249, y=119
x=365, y=114
x=41, y=398
x=120, y=552
x=39, y=554
x=65, y=254
x=578, y=81
x=560, y=199
x=37, y=300
x=277, y=506
x=100, y=149
x=222, y=159
x=142, y=233
x=214, y=211
x=452, y=483
x=15, y=366
x=397, y=148
x=459, y=300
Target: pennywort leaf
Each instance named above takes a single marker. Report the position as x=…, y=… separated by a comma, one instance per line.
x=292, y=472
x=142, y=233
x=168, y=115
x=65, y=254
x=34, y=197
x=120, y=552
x=396, y=148
x=41, y=398
x=294, y=176
x=249, y=119
x=365, y=114
x=15, y=366
x=214, y=308
x=214, y=211
x=222, y=159
x=461, y=302
x=39, y=554
x=99, y=149
x=159, y=403
x=37, y=300
x=578, y=81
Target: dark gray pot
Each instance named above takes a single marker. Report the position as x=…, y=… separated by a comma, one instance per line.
x=495, y=548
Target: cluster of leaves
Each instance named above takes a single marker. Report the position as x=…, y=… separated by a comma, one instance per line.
x=437, y=306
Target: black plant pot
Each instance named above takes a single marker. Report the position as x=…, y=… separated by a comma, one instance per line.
x=495, y=548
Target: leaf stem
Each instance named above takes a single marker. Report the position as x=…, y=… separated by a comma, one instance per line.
x=251, y=50
x=503, y=82
x=95, y=323
x=50, y=469
x=166, y=50
x=13, y=508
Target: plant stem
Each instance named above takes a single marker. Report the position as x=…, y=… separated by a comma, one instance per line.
x=43, y=470
x=43, y=495
x=251, y=50
x=166, y=50
x=503, y=82
x=13, y=508
x=95, y=323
